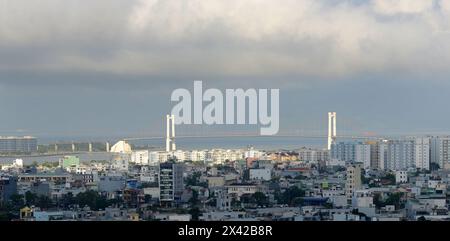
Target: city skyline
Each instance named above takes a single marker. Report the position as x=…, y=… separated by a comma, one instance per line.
x=245, y=115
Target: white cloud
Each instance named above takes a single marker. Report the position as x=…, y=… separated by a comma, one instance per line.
x=391, y=7
x=445, y=5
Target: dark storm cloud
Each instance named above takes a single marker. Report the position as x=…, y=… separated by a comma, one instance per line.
x=224, y=38
x=101, y=66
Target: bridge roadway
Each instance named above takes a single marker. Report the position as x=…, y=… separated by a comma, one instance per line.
x=255, y=135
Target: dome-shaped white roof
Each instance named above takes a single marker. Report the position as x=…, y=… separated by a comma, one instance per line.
x=121, y=147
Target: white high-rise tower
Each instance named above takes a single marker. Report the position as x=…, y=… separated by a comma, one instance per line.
x=170, y=134
x=331, y=128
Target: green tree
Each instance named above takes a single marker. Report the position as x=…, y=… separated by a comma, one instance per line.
x=194, y=199
x=260, y=199
x=421, y=218
x=17, y=201
x=394, y=199
x=236, y=204
x=4, y=216
x=364, y=180
x=389, y=179
x=7, y=211
x=67, y=200
x=434, y=166
x=377, y=200
x=292, y=196
x=30, y=198
x=327, y=205
x=300, y=177
x=147, y=198
x=93, y=200
x=44, y=202
x=195, y=213
x=194, y=179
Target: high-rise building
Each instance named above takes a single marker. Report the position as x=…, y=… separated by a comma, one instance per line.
x=313, y=155
x=140, y=157
x=400, y=154
x=353, y=179
x=351, y=152
x=170, y=181
x=198, y=155
x=156, y=157
x=374, y=154
x=18, y=144
x=8, y=187
x=343, y=151
x=331, y=128
x=382, y=153
x=440, y=150
x=378, y=154
x=422, y=152
x=362, y=154
x=407, y=153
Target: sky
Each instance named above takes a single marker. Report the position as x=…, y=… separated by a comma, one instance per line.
x=104, y=68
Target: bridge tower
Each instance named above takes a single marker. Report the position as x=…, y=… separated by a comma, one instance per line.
x=331, y=129
x=170, y=133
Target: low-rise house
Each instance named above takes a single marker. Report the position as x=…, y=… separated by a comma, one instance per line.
x=240, y=189
x=223, y=216
x=260, y=174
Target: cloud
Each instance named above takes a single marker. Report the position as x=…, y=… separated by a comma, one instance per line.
x=324, y=39
x=90, y=65
x=445, y=5
x=391, y=7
